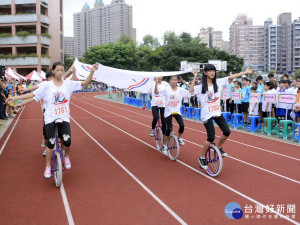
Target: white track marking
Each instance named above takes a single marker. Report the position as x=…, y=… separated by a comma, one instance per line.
x=251, y=146
x=294, y=144
x=205, y=175
x=66, y=205
x=167, y=208
x=12, y=129
x=239, y=160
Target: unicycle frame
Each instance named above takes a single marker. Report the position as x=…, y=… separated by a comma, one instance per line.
x=157, y=130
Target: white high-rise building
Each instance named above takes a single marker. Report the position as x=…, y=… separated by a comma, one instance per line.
x=69, y=46
x=101, y=25
x=213, y=39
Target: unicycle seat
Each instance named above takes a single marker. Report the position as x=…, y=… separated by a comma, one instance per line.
x=59, y=121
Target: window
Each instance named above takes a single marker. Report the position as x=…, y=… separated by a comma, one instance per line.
x=61, y=41
x=60, y=6
x=61, y=24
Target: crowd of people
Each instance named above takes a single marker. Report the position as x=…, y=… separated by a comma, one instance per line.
x=245, y=86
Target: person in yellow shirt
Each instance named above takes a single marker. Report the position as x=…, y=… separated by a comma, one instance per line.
x=11, y=105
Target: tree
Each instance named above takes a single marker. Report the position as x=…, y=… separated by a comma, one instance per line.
x=150, y=55
x=68, y=61
x=297, y=73
x=151, y=41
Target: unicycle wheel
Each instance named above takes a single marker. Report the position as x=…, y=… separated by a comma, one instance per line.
x=173, y=147
x=58, y=170
x=214, y=161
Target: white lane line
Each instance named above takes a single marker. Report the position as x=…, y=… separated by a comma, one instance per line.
x=251, y=146
x=205, y=175
x=167, y=208
x=294, y=144
x=7, y=138
x=239, y=160
x=66, y=205
x=64, y=196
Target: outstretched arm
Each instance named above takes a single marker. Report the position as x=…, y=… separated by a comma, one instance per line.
x=237, y=75
x=68, y=73
x=20, y=97
x=193, y=82
x=27, y=101
x=89, y=78
x=34, y=87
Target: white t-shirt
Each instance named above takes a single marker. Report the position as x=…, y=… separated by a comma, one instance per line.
x=264, y=104
x=210, y=101
x=253, y=105
x=173, y=99
x=56, y=99
x=40, y=85
x=158, y=100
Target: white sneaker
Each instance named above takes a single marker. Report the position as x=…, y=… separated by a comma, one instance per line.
x=181, y=141
x=44, y=153
x=47, y=173
x=67, y=163
x=164, y=149
x=43, y=144
x=151, y=133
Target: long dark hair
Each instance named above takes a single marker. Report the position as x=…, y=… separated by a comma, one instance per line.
x=204, y=79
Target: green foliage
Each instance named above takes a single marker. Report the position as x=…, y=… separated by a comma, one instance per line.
x=6, y=35
x=12, y=56
x=297, y=73
x=25, y=34
x=68, y=61
x=151, y=55
x=46, y=35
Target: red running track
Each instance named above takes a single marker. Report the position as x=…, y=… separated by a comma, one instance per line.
x=118, y=178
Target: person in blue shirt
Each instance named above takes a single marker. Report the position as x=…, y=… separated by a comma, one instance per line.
x=246, y=90
x=237, y=103
x=260, y=90
x=9, y=87
x=229, y=104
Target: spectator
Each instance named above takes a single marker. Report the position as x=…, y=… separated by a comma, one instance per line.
x=144, y=97
x=11, y=105
x=2, y=102
x=272, y=80
x=260, y=90
x=253, y=106
x=237, y=103
x=266, y=106
x=229, y=104
x=281, y=107
x=246, y=90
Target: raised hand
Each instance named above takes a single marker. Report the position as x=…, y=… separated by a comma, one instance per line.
x=95, y=67
x=249, y=70
x=195, y=73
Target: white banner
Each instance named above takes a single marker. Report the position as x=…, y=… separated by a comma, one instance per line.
x=123, y=79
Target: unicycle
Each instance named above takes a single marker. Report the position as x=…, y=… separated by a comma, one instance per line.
x=214, y=160
x=57, y=155
x=173, y=146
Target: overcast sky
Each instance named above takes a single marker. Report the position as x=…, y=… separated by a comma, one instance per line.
x=157, y=16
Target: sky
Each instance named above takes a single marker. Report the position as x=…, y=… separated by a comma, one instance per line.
x=155, y=17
